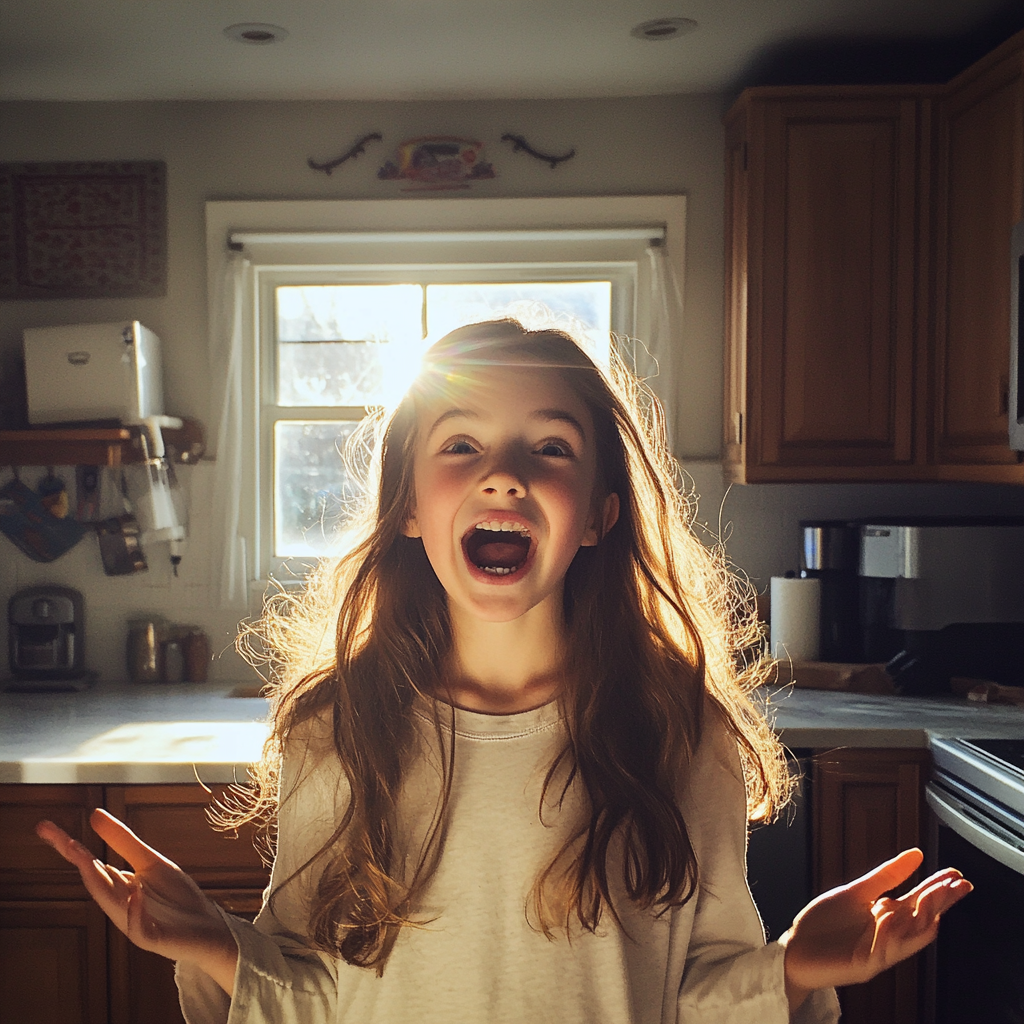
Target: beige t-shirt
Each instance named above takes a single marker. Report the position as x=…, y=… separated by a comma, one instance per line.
x=479, y=959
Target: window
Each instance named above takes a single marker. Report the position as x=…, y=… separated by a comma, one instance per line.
x=339, y=319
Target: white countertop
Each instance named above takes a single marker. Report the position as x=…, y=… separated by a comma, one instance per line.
x=822, y=718
x=122, y=734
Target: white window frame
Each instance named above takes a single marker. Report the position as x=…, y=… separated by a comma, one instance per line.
x=315, y=240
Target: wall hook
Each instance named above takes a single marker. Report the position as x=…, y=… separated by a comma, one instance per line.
x=359, y=147
x=519, y=143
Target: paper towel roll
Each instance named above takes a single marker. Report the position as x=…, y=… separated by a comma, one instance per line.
x=796, y=618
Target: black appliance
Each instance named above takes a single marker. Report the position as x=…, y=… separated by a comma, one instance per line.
x=46, y=640
x=831, y=554
x=976, y=801
x=942, y=597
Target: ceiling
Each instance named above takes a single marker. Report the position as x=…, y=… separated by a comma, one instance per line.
x=444, y=49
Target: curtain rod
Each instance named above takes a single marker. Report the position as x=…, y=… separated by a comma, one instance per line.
x=652, y=233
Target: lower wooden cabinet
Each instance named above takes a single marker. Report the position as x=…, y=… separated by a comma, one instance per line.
x=61, y=961
x=868, y=806
x=142, y=989
x=53, y=962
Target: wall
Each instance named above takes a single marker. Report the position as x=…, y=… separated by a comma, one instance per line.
x=635, y=146
x=258, y=151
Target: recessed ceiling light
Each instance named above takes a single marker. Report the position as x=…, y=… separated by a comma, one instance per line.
x=256, y=33
x=663, y=28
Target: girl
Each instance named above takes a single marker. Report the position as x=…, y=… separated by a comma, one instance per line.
x=512, y=758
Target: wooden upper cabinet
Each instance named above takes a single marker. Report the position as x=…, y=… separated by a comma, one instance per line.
x=821, y=235
x=978, y=198
x=868, y=278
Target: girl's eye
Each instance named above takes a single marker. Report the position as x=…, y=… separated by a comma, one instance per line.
x=555, y=448
x=459, y=448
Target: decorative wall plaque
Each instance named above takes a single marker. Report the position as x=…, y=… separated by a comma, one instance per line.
x=83, y=230
x=437, y=162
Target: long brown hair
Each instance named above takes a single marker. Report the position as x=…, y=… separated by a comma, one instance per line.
x=656, y=626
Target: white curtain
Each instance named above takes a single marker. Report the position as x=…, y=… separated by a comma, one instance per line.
x=229, y=576
x=665, y=337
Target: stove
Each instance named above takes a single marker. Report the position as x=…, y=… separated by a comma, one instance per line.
x=977, y=789
x=976, y=797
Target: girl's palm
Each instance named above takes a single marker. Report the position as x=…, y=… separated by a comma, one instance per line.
x=158, y=906
x=850, y=934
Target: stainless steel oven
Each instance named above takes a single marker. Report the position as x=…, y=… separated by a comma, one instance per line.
x=976, y=799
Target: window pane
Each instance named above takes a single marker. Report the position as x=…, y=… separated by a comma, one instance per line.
x=310, y=485
x=452, y=305
x=336, y=343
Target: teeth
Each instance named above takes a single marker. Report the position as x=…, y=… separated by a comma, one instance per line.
x=496, y=570
x=504, y=527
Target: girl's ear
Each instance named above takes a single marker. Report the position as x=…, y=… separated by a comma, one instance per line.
x=412, y=528
x=609, y=517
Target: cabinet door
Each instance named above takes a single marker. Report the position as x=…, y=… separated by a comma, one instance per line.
x=142, y=989
x=980, y=165
x=868, y=806
x=832, y=289
x=29, y=869
x=173, y=820
x=53, y=962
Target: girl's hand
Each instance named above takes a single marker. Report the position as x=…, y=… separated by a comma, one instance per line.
x=850, y=934
x=157, y=905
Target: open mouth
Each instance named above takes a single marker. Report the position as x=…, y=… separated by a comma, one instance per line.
x=498, y=549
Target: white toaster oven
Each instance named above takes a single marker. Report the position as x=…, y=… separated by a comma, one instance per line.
x=91, y=372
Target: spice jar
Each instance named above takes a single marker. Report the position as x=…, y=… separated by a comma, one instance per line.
x=196, y=648
x=143, y=648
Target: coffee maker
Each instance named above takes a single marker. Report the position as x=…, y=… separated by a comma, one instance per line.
x=46, y=643
x=941, y=598
x=831, y=554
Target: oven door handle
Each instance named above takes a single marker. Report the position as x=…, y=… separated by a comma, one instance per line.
x=980, y=831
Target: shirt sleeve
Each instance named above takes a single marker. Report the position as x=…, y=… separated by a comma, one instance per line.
x=280, y=977
x=731, y=976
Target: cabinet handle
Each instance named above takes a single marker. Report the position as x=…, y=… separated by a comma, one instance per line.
x=737, y=428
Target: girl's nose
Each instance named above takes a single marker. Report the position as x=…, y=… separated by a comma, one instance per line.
x=505, y=479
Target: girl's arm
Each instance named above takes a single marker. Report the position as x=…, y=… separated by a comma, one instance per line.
x=850, y=934
x=156, y=905
x=730, y=975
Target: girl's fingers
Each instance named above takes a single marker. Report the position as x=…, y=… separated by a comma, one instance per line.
x=122, y=840
x=70, y=849
x=939, y=878
x=938, y=898
x=887, y=875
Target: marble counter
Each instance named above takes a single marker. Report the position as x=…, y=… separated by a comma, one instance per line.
x=143, y=734
x=821, y=718
x=123, y=734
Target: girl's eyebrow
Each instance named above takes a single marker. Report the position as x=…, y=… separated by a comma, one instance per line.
x=561, y=416
x=545, y=415
x=452, y=414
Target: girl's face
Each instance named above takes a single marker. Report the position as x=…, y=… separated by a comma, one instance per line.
x=505, y=473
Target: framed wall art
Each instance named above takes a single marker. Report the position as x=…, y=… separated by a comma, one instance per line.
x=83, y=230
